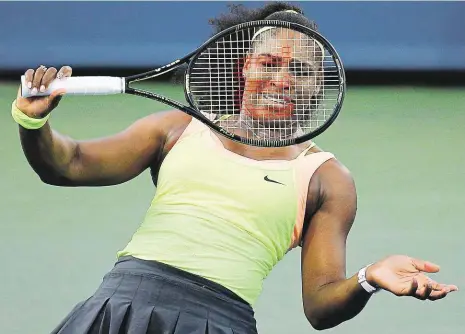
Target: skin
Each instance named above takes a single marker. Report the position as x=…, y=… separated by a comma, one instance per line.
x=281, y=68
x=329, y=297
x=282, y=73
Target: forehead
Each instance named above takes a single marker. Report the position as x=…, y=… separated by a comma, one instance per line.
x=286, y=43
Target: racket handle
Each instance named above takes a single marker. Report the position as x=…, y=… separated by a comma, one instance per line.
x=80, y=86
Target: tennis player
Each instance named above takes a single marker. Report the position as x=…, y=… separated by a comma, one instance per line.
x=223, y=215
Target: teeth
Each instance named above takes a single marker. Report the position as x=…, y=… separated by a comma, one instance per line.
x=281, y=101
x=278, y=101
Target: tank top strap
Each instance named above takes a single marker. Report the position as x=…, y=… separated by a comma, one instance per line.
x=304, y=152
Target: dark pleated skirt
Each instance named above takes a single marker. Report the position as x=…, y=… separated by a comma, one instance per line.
x=148, y=297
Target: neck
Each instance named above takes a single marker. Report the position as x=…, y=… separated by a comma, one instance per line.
x=258, y=129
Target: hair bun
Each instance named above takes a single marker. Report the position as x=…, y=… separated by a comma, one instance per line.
x=292, y=16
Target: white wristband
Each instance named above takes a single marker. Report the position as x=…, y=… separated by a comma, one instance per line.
x=362, y=280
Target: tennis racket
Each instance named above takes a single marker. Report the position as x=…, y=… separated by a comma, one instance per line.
x=264, y=83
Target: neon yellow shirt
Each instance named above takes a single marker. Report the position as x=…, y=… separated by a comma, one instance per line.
x=223, y=216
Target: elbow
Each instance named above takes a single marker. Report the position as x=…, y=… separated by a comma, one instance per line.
x=50, y=175
x=318, y=321
x=318, y=324
x=60, y=177
x=55, y=180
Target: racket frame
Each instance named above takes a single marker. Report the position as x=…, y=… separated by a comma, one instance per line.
x=192, y=110
x=278, y=24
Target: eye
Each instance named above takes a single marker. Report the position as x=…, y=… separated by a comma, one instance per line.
x=269, y=65
x=302, y=71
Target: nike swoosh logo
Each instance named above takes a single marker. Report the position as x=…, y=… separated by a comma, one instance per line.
x=270, y=180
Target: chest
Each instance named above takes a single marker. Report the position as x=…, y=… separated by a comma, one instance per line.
x=260, y=194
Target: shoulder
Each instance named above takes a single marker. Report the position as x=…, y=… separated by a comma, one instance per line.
x=164, y=124
x=167, y=120
x=332, y=199
x=331, y=172
x=337, y=195
x=334, y=172
x=332, y=183
x=168, y=124
x=334, y=178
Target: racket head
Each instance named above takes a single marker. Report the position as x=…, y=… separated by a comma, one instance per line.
x=267, y=83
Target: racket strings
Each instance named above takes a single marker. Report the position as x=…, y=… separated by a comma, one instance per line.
x=278, y=85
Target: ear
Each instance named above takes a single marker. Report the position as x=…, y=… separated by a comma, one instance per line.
x=247, y=63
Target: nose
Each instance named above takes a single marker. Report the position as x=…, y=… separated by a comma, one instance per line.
x=282, y=78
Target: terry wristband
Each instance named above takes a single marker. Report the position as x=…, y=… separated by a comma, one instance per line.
x=26, y=121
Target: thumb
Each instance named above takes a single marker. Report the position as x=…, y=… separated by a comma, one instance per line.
x=425, y=266
x=55, y=97
x=57, y=94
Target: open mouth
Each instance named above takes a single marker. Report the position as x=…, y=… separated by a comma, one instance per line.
x=279, y=99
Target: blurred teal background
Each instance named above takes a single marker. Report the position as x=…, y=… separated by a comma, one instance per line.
x=404, y=144
x=393, y=35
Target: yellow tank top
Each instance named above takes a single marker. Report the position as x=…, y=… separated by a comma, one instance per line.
x=223, y=216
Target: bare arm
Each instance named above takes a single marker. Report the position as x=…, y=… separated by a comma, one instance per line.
x=62, y=161
x=329, y=297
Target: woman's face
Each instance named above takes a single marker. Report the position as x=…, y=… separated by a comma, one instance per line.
x=281, y=75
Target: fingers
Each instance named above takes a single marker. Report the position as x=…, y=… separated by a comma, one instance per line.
x=65, y=71
x=38, y=80
x=57, y=93
x=55, y=97
x=413, y=287
x=436, y=295
x=426, y=288
x=425, y=266
x=435, y=286
x=48, y=77
x=453, y=287
x=29, y=75
x=446, y=289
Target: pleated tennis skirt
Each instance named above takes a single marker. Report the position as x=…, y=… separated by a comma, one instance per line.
x=148, y=297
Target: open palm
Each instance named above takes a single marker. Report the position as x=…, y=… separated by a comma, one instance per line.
x=406, y=276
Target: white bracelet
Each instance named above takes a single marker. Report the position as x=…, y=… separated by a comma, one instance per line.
x=362, y=280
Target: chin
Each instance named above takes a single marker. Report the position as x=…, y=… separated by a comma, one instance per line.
x=267, y=114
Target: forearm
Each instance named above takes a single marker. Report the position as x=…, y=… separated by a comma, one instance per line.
x=335, y=303
x=49, y=153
